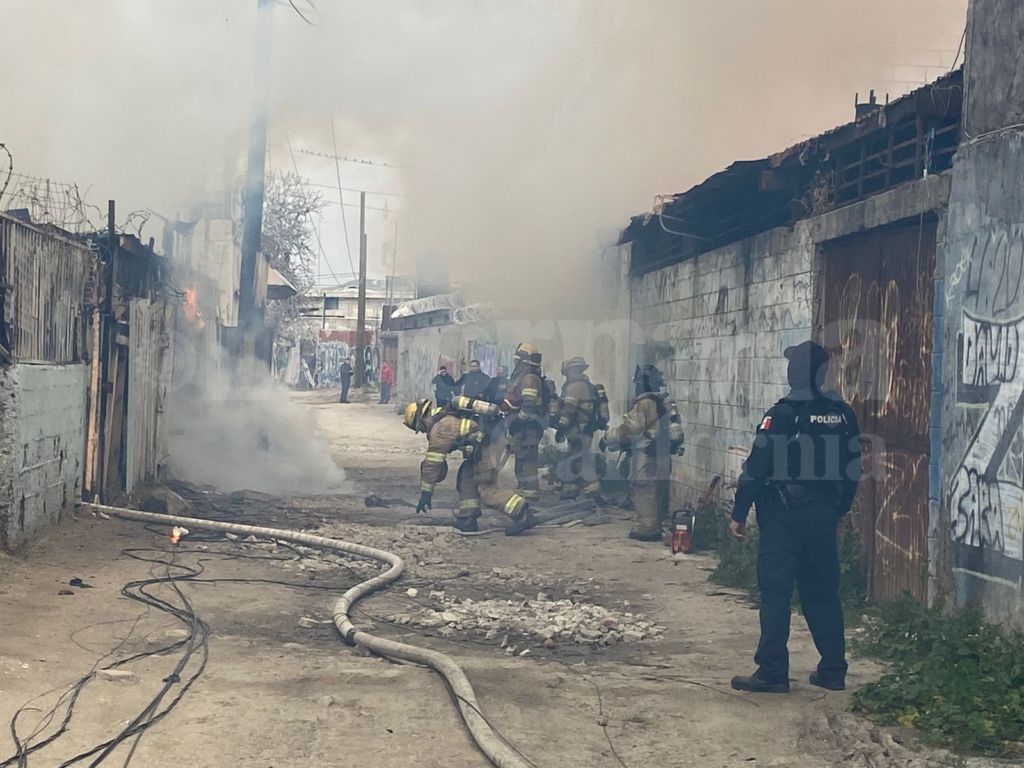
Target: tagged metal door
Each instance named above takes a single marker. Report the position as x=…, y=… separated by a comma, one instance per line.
x=878, y=313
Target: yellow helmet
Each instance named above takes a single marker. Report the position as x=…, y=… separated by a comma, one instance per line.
x=415, y=411
x=527, y=353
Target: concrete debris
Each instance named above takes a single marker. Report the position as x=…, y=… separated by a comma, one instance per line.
x=412, y=592
x=540, y=620
x=251, y=540
x=117, y=676
x=230, y=537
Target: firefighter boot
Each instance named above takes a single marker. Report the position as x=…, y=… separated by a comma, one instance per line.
x=467, y=524
x=523, y=522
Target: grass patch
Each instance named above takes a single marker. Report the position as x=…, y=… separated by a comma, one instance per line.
x=953, y=676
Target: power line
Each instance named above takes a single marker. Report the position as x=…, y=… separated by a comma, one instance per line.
x=337, y=170
x=316, y=230
x=337, y=158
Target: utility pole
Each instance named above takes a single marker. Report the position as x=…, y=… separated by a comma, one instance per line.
x=361, y=314
x=250, y=308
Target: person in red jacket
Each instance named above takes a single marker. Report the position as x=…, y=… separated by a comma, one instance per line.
x=387, y=378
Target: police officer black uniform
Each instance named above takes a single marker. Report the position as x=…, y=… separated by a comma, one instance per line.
x=802, y=475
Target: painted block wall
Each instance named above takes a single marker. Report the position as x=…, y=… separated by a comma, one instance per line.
x=724, y=319
x=982, y=494
x=42, y=441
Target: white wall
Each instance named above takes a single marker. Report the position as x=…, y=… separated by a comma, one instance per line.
x=42, y=441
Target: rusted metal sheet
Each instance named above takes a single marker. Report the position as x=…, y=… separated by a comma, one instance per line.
x=149, y=372
x=44, y=278
x=878, y=318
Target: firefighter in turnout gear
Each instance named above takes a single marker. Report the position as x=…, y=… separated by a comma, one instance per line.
x=582, y=411
x=653, y=433
x=465, y=426
x=526, y=418
x=802, y=475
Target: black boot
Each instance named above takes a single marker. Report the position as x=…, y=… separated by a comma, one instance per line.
x=524, y=522
x=827, y=683
x=466, y=524
x=757, y=684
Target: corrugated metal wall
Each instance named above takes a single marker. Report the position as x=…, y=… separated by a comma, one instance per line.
x=878, y=306
x=44, y=277
x=150, y=361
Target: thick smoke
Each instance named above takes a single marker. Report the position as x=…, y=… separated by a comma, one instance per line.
x=255, y=438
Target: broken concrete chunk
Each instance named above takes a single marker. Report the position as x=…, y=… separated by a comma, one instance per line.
x=230, y=537
x=117, y=676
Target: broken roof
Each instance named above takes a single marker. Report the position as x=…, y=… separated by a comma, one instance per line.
x=825, y=172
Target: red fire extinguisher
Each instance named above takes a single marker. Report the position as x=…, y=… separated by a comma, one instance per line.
x=684, y=520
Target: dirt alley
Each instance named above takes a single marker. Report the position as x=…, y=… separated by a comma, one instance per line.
x=276, y=694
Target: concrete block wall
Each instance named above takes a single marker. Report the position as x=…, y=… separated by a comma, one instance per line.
x=726, y=316
x=42, y=446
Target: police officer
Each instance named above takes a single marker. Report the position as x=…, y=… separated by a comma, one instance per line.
x=802, y=474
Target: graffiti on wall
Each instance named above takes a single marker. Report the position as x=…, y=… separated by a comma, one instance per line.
x=329, y=356
x=986, y=494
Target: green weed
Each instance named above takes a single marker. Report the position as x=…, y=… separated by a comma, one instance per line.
x=955, y=677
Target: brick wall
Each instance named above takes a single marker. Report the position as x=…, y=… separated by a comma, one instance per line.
x=42, y=440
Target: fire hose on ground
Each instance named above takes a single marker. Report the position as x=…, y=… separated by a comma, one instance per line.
x=490, y=742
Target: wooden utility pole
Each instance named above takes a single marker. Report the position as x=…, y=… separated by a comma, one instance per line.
x=361, y=314
x=250, y=308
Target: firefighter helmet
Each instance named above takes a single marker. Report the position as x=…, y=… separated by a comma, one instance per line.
x=414, y=413
x=527, y=353
x=574, y=362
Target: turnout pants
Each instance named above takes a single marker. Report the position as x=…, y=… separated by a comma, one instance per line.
x=650, y=496
x=526, y=447
x=478, y=482
x=577, y=472
x=798, y=547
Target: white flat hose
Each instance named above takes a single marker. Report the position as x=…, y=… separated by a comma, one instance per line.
x=497, y=750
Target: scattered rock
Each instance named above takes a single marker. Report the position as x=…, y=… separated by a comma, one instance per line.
x=65, y=592
x=307, y=623
x=230, y=537
x=549, y=643
x=294, y=647
x=326, y=701
x=412, y=592
x=164, y=501
x=463, y=573
x=251, y=540
x=117, y=676
x=602, y=721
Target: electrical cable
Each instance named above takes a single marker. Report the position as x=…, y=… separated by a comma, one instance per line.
x=490, y=742
x=10, y=169
x=341, y=199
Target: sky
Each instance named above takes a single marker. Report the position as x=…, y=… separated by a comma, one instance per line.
x=509, y=137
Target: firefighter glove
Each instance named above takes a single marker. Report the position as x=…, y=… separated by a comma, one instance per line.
x=425, y=502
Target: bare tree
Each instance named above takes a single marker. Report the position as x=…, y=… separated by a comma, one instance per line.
x=288, y=207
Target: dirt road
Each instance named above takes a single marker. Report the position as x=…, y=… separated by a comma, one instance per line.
x=280, y=689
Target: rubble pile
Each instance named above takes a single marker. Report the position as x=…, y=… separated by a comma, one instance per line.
x=543, y=621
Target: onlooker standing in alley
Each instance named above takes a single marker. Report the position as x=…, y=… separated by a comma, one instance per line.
x=474, y=383
x=387, y=378
x=802, y=475
x=444, y=387
x=499, y=385
x=346, y=378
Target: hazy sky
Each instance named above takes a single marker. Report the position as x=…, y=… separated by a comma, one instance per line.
x=526, y=126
